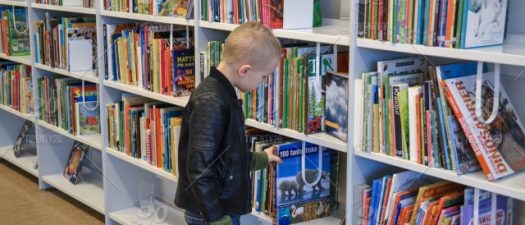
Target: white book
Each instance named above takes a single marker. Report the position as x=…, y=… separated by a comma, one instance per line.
x=413, y=92
x=298, y=14
x=175, y=142
x=80, y=49
x=358, y=112
x=484, y=24
x=72, y=3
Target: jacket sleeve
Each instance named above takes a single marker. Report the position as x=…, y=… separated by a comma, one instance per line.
x=208, y=119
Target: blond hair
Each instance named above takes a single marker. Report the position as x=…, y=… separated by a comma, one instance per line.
x=250, y=42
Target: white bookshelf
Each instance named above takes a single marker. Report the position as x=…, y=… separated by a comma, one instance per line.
x=180, y=101
x=17, y=113
x=88, y=192
x=511, y=53
x=86, y=76
x=94, y=141
x=149, y=18
x=115, y=195
x=322, y=139
x=24, y=162
x=129, y=217
x=26, y=60
x=332, y=32
x=141, y=164
x=20, y=3
x=70, y=9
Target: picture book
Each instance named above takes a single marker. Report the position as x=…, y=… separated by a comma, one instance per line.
x=499, y=146
x=75, y=162
x=483, y=23
x=336, y=106
x=23, y=139
x=87, y=118
x=463, y=155
x=184, y=72
x=302, y=195
x=18, y=32
x=316, y=100
x=504, y=209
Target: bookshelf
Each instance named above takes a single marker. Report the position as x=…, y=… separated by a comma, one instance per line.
x=116, y=189
x=25, y=162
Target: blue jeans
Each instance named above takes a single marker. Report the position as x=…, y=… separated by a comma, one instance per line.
x=195, y=218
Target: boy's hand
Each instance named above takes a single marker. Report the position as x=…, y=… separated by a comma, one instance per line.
x=271, y=156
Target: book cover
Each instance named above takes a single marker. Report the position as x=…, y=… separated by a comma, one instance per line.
x=499, y=146
x=75, y=162
x=483, y=23
x=18, y=32
x=462, y=154
x=23, y=139
x=336, y=108
x=87, y=118
x=80, y=49
x=183, y=81
x=298, y=198
x=316, y=100
x=504, y=209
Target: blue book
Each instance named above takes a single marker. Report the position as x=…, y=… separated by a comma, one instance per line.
x=444, y=139
x=294, y=192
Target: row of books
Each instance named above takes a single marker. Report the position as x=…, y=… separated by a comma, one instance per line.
x=413, y=198
x=14, y=40
x=439, y=23
x=158, y=58
x=426, y=114
x=271, y=13
x=294, y=97
x=176, y=8
x=280, y=190
x=67, y=43
x=69, y=3
x=16, y=86
x=145, y=130
x=69, y=104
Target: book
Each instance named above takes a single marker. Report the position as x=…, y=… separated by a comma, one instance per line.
x=463, y=155
x=336, y=106
x=302, y=195
x=81, y=46
x=483, y=23
x=499, y=146
x=87, y=118
x=75, y=162
x=184, y=72
x=24, y=138
x=504, y=209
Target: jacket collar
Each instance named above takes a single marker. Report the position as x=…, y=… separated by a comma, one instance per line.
x=214, y=73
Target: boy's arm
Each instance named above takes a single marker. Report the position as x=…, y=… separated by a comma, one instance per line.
x=207, y=122
x=259, y=161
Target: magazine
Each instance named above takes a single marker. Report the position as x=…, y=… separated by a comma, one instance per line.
x=75, y=162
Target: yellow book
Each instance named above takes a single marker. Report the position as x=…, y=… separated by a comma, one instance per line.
x=175, y=126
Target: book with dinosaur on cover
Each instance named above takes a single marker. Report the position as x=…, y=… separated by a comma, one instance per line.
x=298, y=198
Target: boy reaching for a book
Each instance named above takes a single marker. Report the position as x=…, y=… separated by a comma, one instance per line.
x=214, y=161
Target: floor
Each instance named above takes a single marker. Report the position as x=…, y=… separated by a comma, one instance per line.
x=22, y=203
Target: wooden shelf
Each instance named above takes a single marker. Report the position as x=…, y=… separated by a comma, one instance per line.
x=332, y=32
x=89, y=192
x=24, y=162
x=14, y=3
x=149, y=18
x=322, y=139
x=72, y=9
x=94, y=141
x=510, y=53
x=180, y=101
x=512, y=186
x=142, y=164
x=86, y=76
x=26, y=60
x=17, y=113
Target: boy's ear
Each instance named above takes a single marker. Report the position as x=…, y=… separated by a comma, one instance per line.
x=243, y=69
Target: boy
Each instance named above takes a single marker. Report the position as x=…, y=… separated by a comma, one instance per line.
x=214, y=162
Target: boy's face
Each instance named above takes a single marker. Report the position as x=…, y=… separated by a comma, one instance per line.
x=251, y=76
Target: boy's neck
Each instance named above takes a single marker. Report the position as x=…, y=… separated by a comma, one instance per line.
x=228, y=72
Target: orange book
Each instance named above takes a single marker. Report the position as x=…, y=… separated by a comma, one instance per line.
x=431, y=191
x=236, y=11
x=419, y=130
x=451, y=17
x=405, y=217
x=382, y=218
x=169, y=72
x=366, y=211
x=431, y=28
x=396, y=201
x=431, y=211
x=444, y=202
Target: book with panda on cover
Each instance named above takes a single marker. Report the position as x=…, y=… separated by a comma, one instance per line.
x=297, y=201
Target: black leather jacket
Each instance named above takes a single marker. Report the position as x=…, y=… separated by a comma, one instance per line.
x=214, y=160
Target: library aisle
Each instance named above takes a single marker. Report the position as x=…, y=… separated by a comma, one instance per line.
x=24, y=203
